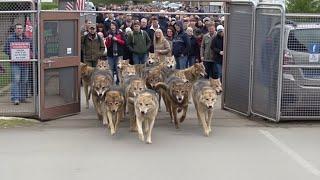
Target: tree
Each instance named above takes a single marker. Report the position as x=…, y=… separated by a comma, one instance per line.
x=303, y=6
x=107, y=2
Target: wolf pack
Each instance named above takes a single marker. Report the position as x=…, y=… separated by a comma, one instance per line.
x=141, y=89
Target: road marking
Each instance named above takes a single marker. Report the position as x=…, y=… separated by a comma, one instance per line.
x=304, y=163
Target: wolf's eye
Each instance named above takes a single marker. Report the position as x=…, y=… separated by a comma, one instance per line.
x=140, y=89
x=141, y=104
x=207, y=99
x=182, y=91
x=135, y=89
x=147, y=104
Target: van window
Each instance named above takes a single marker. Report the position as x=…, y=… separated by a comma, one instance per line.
x=301, y=39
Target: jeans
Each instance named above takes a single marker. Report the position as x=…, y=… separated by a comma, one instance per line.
x=113, y=62
x=139, y=58
x=191, y=61
x=181, y=62
x=19, y=75
x=218, y=71
x=210, y=68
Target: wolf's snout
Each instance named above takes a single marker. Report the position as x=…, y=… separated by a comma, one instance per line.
x=210, y=107
x=143, y=112
x=114, y=110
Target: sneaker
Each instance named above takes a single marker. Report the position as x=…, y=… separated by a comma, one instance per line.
x=16, y=102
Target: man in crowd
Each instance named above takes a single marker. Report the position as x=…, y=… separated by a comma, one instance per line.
x=138, y=43
x=207, y=55
x=92, y=46
x=217, y=47
x=180, y=46
x=19, y=69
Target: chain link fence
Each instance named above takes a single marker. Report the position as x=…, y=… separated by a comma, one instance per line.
x=18, y=58
x=301, y=67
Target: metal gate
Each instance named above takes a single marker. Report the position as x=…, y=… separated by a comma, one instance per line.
x=18, y=58
x=301, y=67
x=237, y=69
x=267, y=69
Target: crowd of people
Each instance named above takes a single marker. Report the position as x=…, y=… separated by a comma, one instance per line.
x=132, y=36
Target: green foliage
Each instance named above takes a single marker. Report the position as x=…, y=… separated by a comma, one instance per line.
x=107, y=2
x=48, y=6
x=141, y=1
x=303, y=6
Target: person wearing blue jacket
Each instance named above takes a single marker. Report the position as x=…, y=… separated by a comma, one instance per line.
x=180, y=46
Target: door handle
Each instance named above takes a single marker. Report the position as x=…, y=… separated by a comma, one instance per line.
x=48, y=61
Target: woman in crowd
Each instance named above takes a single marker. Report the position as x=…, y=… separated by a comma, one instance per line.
x=115, y=44
x=170, y=35
x=161, y=45
x=100, y=28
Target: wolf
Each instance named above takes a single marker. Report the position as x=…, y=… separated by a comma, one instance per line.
x=102, y=65
x=176, y=95
x=216, y=84
x=167, y=67
x=113, y=108
x=121, y=68
x=135, y=86
x=101, y=81
x=192, y=73
x=151, y=62
x=204, y=97
x=146, y=107
x=128, y=71
x=86, y=74
x=152, y=77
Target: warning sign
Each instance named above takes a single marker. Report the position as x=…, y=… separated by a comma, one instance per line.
x=20, y=51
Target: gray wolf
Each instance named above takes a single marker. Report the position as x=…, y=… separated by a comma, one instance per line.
x=216, y=84
x=86, y=73
x=192, y=73
x=113, y=109
x=135, y=86
x=204, y=97
x=146, y=106
x=101, y=82
x=176, y=96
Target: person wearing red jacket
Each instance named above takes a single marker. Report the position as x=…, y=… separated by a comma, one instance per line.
x=115, y=44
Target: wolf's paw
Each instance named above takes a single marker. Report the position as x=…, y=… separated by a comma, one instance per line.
x=141, y=137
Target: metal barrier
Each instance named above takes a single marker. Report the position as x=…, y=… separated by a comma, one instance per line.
x=301, y=67
x=240, y=26
x=18, y=59
x=267, y=59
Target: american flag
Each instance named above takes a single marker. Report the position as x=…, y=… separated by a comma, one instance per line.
x=69, y=5
x=80, y=4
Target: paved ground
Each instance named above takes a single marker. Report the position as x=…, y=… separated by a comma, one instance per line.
x=79, y=148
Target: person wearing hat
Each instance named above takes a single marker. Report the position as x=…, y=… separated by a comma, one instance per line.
x=139, y=43
x=115, y=45
x=92, y=46
x=217, y=47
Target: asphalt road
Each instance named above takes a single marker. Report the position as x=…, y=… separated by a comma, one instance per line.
x=80, y=148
